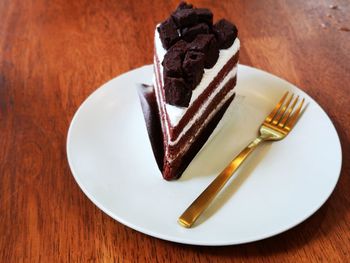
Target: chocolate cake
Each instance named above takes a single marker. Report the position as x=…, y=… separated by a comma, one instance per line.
x=195, y=66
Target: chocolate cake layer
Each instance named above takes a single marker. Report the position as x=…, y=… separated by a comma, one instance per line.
x=158, y=95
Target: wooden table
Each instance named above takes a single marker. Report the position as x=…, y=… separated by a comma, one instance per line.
x=53, y=54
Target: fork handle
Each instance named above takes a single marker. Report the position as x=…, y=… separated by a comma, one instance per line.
x=204, y=199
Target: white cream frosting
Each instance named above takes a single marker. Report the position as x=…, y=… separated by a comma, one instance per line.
x=175, y=113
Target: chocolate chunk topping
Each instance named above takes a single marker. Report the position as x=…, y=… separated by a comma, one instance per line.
x=206, y=44
x=204, y=15
x=184, y=17
x=176, y=92
x=172, y=64
x=192, y=43
x=225, y=33
x=181, y=47
x=190, y=33
x=193, y=67
x=168, y=33
x=184, y=5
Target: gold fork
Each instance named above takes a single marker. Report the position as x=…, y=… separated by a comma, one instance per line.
x=275, y=127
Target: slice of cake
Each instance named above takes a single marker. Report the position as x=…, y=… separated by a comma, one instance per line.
x=195, y=66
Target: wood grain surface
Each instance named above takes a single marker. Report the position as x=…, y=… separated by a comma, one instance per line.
x=53, y=54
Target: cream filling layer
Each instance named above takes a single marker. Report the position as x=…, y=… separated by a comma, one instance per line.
x=175, y=113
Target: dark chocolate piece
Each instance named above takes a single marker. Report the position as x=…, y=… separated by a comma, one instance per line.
x=206, y=44
x=225, y=33
x=204, y=15
x=193, y=67
x=190, y=33
x=177, y=92
x=168, y=33
x=172, y=64
x=184, y=17
x=181, y=47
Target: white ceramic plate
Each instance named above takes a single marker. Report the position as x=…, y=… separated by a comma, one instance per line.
x=282, y=183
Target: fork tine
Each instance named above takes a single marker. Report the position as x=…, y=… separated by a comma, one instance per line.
x=276, y=109
x=294, y=117
x=280, y=114
x=289, y=111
